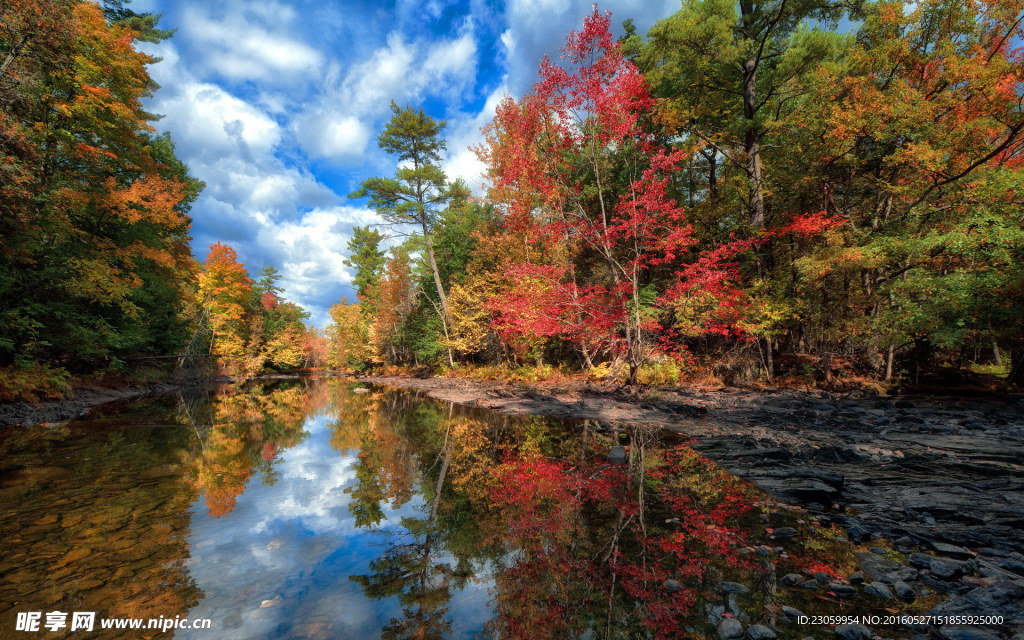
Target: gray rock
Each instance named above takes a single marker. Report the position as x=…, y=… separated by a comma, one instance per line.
x=762, y=632
x=853, y=632
x=951, y=550
x=734, y=587
x=672, y=585
x=1005, y=599
x=876, y=567
x=856, y=578
x=729, y=629
x=792, y=579
x=859, y=533
x=958, y=632
x=715, y=613
x=946, y=569
x=617, y=454
x=880, y=590
x=920, y=560
x=791, y=614
x=809, y=584
x=784, y=533
x=842, y=590
x=904, y=591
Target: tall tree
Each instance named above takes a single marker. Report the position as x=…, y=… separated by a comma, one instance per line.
x=420, y=189
x=96, y=205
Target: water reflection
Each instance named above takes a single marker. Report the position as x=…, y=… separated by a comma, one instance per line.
x=309, y=510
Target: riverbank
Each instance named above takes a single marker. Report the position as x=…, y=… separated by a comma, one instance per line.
x=77, y=404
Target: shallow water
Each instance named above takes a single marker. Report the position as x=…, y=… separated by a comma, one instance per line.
x=305, y=509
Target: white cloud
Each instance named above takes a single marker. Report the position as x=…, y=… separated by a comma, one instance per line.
x=461, y=162
x=208, y=122
x=250, y=42
x=253, y=90
x=333, y=135
x=339, y=126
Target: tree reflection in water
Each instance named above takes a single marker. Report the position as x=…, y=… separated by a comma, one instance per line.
x=242, y=434
x=571, y=541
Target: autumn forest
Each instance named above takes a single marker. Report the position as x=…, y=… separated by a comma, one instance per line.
x=785, y=191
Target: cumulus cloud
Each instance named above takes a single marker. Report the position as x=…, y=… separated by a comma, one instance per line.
x=340, y=125
x=250, y=41
x=464, y=133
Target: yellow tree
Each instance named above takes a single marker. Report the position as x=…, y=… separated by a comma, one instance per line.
x=350, y=338
x=225, y=290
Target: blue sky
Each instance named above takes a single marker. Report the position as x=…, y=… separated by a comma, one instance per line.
x=276, y=105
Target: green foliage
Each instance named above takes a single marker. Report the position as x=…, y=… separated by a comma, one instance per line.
x=366, y=257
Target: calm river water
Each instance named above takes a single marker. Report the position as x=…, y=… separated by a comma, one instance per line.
x=308, y=509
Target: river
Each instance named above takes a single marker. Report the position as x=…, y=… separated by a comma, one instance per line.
x=315, y=508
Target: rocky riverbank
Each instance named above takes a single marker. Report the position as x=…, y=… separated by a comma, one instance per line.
x=941, y=477
x=30, y=413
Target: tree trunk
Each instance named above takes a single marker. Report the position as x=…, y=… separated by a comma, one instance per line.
x=752, y=146
x=435, y=272
x=1016, y=376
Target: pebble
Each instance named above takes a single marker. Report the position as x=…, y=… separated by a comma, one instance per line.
x=853, y=632
x=672, y=585
x=729, y=629
x=792, y=579
x=761, y=632
x=904, y=591
x=791, y=614
x=842, y=590
x=879, y=589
